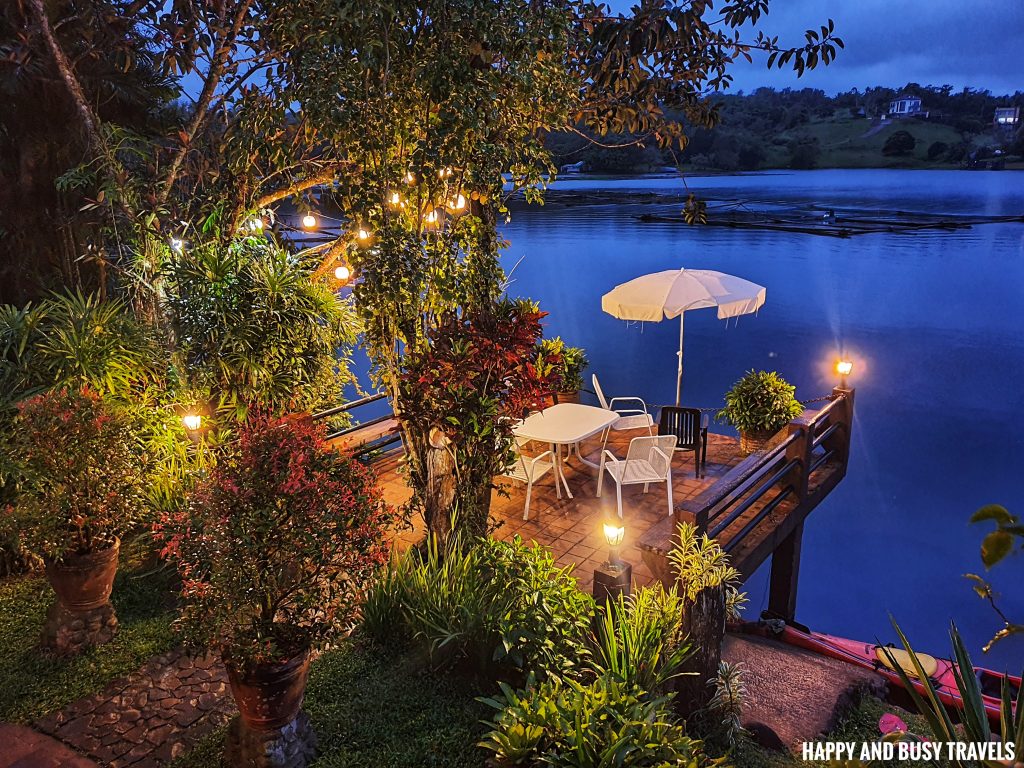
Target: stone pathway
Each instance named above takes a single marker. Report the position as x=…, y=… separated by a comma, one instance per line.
x=25, y=748
x=150, y=717
x=794, y=695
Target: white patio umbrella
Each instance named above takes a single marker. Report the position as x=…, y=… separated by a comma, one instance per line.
x=673, y=292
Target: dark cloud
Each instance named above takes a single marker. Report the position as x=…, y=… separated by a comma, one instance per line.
x=976, y=43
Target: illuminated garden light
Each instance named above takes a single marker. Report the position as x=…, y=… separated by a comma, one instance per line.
x=431, y=217
x=342, y=273
x=613, y=534
x=309, y=220
x=444, y=173
x=363, y=235
x=256, y=224
x=844, y=367
x=457, y=203
x=192, y=421
x=395, y=199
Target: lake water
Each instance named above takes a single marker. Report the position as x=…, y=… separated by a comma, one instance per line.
x=934, y=322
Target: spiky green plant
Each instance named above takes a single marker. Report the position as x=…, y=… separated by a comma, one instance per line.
x=700, y=562
x=974, y=721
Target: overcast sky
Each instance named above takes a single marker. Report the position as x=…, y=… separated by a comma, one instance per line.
x=976, y=43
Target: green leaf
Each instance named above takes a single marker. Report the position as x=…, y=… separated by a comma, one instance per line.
x=995, y=547
x=994, y=512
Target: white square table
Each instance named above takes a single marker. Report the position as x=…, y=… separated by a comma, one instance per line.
x=565, y=424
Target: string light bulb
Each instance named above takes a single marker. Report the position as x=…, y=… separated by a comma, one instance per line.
x=342, y=273
x=309, y=220
x=363, y=234
x=395, y=199
x=431, y=217
x=410, y=178
x=444, y=173
x=457, y=203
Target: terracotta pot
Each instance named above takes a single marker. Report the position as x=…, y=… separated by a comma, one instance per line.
x=84, y=582
x=269, y=696
x=569, y=397
x=754, y=441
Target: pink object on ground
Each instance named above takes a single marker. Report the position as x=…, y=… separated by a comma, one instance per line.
x=890, y=722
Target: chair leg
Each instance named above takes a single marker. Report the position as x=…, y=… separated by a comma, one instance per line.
x=529, y=493
x=600, y=477
x=671, y=507
x=618, y=497
x=646, y=486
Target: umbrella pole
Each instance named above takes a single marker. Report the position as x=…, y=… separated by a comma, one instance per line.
x=679, y=370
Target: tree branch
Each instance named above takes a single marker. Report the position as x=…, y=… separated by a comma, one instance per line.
x=201, y=113
x=67, y=74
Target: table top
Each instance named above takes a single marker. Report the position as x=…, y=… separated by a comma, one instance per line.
x=565, y=423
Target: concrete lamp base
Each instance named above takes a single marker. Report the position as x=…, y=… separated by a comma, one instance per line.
x=612, y=580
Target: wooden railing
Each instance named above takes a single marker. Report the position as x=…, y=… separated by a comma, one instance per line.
x=366, y=436
x=783, y=471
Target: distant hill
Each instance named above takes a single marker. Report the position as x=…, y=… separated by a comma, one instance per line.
x=769, y=129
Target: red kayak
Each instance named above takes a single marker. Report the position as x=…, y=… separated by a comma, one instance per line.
x=873, y=656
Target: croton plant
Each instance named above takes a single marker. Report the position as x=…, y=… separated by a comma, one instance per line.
x=275, y=546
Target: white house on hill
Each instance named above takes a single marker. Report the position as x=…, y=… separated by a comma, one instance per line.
x=905, y=105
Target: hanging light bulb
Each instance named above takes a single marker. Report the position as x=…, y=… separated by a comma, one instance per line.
x=444, y=173
x=363, y=234
x=342, y=273
x=177, y=244
x=395, y=199
x=309, y=220
x=457, y=203
x=431, y=217
x=410, y=178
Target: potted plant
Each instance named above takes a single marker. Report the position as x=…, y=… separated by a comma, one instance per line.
x=79, y=490
x=759, y=405
x=273, y=550
x=567, y=364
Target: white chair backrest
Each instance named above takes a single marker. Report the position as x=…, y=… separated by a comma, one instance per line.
x=599, y=392
x=642, y=449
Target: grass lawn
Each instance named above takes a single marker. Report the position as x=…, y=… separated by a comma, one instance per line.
x=33, y=684
x=371, y=709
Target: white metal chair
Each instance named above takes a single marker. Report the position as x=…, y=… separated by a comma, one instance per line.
x=530, y=469
x=629, y=418
x=648, y=460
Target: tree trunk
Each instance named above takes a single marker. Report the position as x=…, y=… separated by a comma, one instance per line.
x=704, y=624
x=439, y=494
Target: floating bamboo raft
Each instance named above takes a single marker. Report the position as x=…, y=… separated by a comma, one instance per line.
x=835, y=223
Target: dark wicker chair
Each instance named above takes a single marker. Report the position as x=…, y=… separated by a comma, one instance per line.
x=691, y=434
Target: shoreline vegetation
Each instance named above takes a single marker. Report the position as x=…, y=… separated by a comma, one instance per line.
x=805, y=129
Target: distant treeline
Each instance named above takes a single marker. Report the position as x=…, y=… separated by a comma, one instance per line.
x=806, y=128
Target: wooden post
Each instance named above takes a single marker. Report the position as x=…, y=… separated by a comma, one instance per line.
x=785, y=574
x=840, y=442
x=704, y=625
x=800, y=450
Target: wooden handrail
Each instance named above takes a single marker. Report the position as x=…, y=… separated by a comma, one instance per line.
x=785, y=466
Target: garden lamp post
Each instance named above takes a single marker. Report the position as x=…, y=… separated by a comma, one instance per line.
x=613, y=577
x=844, y=368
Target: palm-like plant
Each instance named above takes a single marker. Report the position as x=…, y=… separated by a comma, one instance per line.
x=972, y=715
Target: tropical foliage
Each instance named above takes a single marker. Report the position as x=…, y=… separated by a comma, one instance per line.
x=80, y=474
x=761, y=401
x=463, y=392
x=565, y=363
x=973, y=724
x=276, y=545
x=252, y=326
x=503, y=604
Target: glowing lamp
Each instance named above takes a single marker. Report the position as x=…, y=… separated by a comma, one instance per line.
x=363, y=234
x=457, y=203
x=444, y=173
x=431, y=217
x=342, y=273
x=613, y=533
x=256, y=224
x=844, y=368
x=309, y=221
x=410, y=178
x=395, y=199
x=192, y=421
